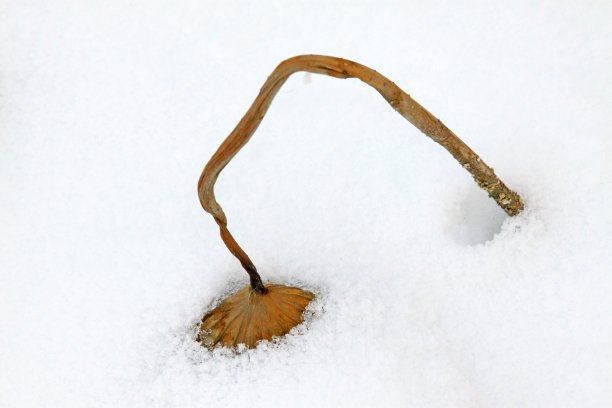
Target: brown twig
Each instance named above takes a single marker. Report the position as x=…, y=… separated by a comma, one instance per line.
x=484, y=176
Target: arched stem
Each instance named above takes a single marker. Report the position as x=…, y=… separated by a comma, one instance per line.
x=484, y=176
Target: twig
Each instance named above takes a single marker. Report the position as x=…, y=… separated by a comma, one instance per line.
x=484, y=176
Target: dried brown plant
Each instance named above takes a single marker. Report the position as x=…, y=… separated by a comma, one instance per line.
x=261, y=312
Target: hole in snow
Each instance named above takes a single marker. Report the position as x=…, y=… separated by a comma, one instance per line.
x=476, y=219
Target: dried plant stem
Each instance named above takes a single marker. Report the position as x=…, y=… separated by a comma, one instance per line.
x=484, y=176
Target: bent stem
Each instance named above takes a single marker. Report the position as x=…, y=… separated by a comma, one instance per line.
x=427, y=123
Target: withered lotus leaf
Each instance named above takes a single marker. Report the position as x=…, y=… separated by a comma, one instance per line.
x=249, y=316
x=259, y=312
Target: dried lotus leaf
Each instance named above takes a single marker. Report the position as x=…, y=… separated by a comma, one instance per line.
x=259, y=312
x=249, y=316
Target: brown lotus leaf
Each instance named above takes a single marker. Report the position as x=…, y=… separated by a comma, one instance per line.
x=259, y=312
x=249, y=316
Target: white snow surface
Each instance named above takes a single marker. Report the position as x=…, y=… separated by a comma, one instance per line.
x=427, y=294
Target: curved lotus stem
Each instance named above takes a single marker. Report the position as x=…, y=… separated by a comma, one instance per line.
x=484, y=176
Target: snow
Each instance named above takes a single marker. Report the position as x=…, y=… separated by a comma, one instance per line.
x=428, y=295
